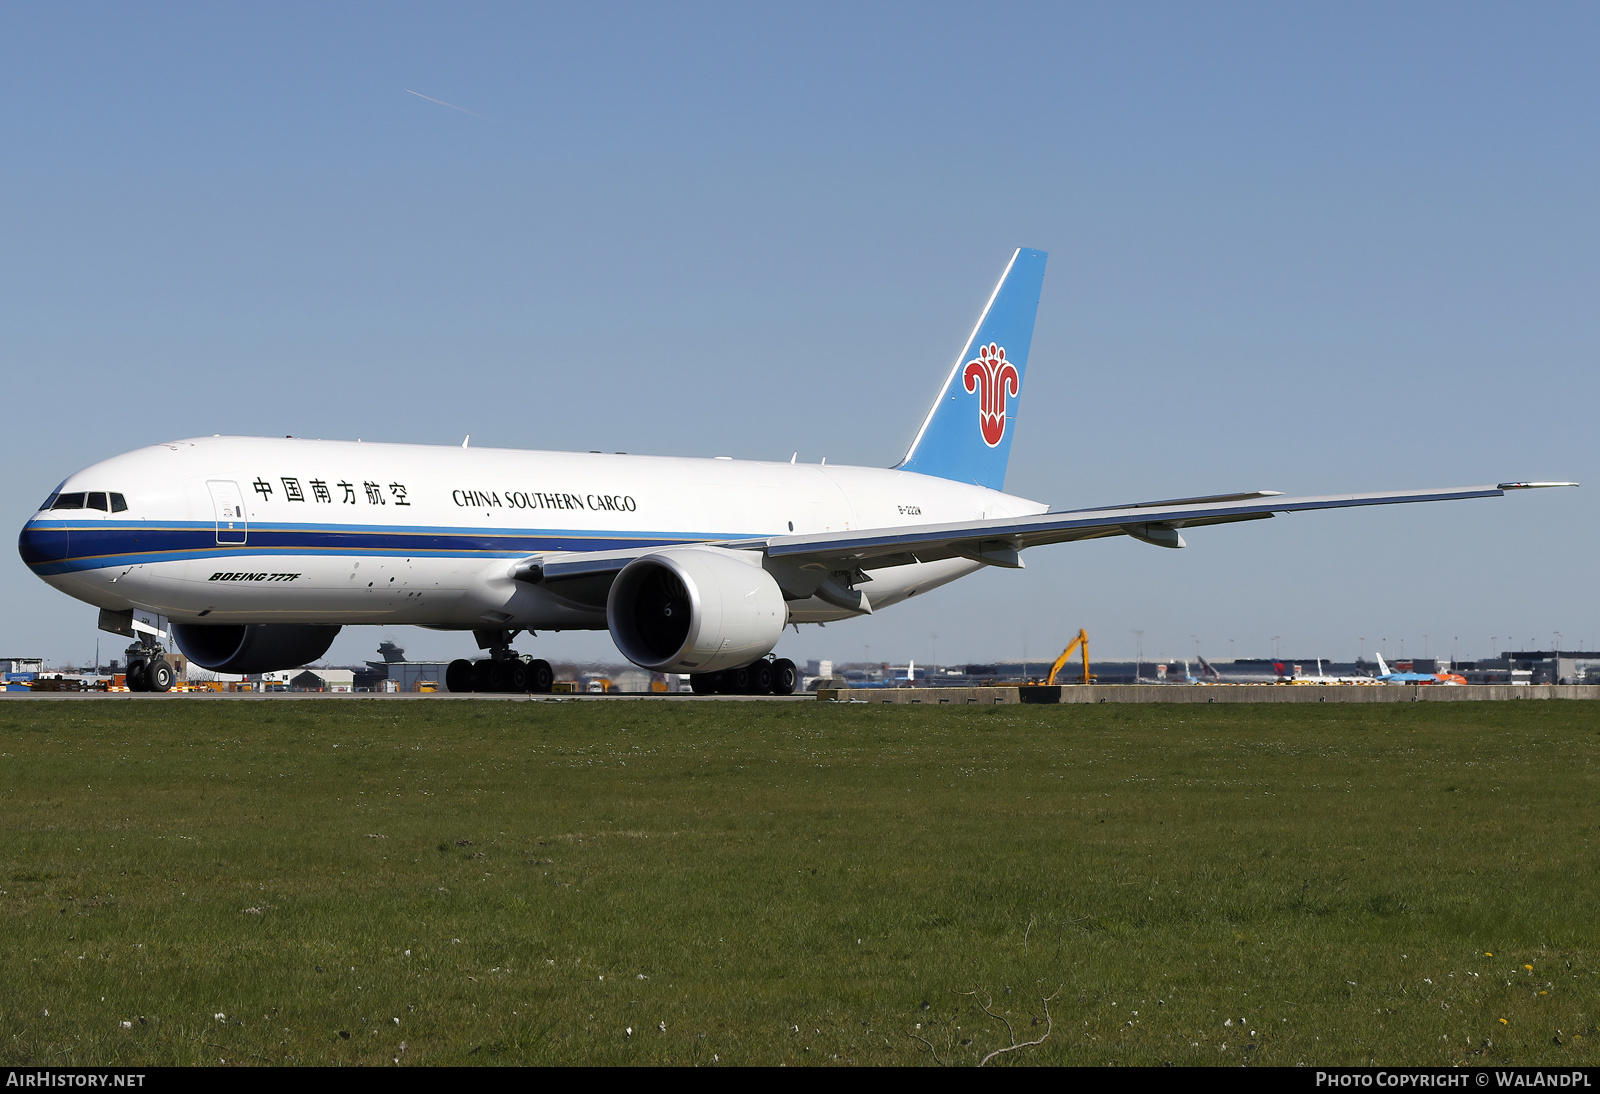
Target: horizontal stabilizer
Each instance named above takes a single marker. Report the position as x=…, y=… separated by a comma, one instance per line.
x=1206, y=500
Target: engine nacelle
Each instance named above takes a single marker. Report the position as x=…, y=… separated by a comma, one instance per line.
x=253, y=647
x=695, y=609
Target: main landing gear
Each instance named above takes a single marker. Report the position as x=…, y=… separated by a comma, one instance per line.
x=503, y=671
x=763, y=677
x=148, y=669
x=514, y=674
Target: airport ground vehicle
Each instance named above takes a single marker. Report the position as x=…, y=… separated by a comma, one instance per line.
x=1079, y=642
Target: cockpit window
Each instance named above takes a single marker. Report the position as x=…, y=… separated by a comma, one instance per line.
x=104, y=501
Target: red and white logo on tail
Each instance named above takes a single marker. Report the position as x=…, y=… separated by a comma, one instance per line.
x=993, y=378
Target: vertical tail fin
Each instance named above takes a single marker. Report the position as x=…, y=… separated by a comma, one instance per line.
x=1383, y=669
x=967, y=433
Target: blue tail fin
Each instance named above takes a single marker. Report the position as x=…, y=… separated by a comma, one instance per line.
x=967, y=434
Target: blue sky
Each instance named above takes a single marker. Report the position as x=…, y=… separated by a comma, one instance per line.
x=1303, y=248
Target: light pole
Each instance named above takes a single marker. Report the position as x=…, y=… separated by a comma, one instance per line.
x=1138, y=653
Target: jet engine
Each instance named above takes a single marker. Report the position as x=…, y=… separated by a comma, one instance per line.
x=253, y=647
x=695, y=609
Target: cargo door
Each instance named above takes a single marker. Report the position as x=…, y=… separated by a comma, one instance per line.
x=233, y=527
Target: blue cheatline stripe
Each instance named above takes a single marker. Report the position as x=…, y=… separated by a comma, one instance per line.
x=297, y=526
x=62, y=547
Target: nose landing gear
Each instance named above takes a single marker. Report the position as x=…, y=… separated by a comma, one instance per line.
x=148, y=669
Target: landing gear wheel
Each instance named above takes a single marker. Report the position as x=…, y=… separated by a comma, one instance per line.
x=785, y=677
x=458, y=677
x=735, y=681
x=703, y=683
x=135, y=676
x=541, y=677
x=481, y=680
x=516, y=677
x=760, y=678
x=159, y=676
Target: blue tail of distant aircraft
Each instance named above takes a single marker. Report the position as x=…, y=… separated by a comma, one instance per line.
x=967, y=434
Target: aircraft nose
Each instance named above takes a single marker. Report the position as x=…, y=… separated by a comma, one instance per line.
x=40, y=545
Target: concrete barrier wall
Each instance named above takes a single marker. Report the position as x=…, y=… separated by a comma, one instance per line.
x=1223, y=693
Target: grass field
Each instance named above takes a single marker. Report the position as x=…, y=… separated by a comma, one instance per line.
x=755, y=883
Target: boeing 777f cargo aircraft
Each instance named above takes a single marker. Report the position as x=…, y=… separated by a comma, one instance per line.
x=253, y=552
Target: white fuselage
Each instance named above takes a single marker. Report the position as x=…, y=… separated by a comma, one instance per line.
x=253, y=530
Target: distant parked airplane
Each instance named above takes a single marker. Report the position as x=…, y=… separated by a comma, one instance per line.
x=1210, y=674
x=1385, y=676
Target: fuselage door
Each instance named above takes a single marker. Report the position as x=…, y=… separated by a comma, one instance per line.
x=233, y=526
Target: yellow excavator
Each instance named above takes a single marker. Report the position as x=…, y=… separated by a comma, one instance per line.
x=1066, y=655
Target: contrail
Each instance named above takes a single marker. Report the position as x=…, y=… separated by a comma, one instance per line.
x=441, y=102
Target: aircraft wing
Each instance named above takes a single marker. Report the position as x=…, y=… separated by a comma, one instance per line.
x=584, y=576
x=997, y=541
